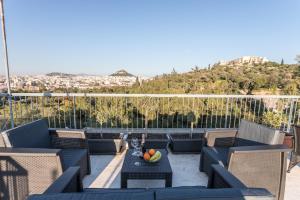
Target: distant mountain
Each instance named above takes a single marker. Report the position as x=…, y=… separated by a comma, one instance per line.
x=58, y=74
x=122, y=72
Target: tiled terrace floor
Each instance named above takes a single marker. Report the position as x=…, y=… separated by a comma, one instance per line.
x=106, y=174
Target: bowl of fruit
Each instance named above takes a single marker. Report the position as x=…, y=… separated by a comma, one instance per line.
x=152, y=156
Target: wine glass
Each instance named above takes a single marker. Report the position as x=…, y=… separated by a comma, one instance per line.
x=137, y=150
x=135, y=145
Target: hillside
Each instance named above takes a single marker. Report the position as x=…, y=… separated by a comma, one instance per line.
x=267, y=78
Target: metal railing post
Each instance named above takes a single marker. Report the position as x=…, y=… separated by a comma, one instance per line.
x=11, y=113
x=225, y=126
x=74, y=112
x=6, y=64
x=290, y=116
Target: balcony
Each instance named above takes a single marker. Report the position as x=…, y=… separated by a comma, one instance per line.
x=156, y=114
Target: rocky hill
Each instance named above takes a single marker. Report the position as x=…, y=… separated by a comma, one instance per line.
x=122, y=72
x=266, y=78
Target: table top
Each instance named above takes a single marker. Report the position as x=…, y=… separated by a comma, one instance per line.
x=162, y=166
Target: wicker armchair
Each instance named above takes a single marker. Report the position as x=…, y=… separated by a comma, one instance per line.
x=105, y=143
x=152, y=140
x=295, y=154
x=254, y=154
x=32, y=157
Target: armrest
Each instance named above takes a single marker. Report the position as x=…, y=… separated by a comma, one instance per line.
x=222, y=178
x=4, y=151
x=257, y=193
x=73, y=133
x=260, y=148
x=69, y=181
x=68, y=138
x=224, y=138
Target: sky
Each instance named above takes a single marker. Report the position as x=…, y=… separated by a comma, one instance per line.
x=145, y=37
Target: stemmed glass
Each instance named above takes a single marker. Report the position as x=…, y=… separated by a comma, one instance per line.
x=137, y=149
x=136, y=146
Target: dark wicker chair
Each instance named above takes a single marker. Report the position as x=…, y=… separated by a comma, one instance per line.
x=152, y=140
x=186, y=142
x=105, y=143
x=254, y=154
x=295, y=154
x=33, y=156
x=222, y=186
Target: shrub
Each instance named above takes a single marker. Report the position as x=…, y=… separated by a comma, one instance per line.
x=272, y=119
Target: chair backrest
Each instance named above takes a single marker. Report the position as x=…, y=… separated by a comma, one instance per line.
x=31, y=135
x=260, y=169
x=297, y=139
x=257, y=133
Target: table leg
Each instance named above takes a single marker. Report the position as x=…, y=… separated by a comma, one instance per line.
x=168, y=180
x=123, y=180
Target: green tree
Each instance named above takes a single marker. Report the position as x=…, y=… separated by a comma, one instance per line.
x=196, y=69
x=298, y=58
x=282, y=62
x=173, y=71
x=291, y=88
x=137, y=82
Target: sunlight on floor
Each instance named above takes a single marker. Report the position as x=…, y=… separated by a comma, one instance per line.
x=106, y=172
x=105, y=169
x=292, y=186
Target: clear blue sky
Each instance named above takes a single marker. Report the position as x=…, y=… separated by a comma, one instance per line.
x=146, y=37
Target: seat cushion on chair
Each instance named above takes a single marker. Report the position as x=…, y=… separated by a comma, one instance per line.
x=113, y=190
x=221, y=153
x=73, y=157
x=240, y=142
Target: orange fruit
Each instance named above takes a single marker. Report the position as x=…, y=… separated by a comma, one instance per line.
x=151, y=152
x=146, y=156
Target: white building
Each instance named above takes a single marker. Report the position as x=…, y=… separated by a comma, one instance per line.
x=244, y=60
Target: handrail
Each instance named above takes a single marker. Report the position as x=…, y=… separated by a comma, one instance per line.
x=151, y=110
x=3, y=94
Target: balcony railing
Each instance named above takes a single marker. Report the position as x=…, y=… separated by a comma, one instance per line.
x=130, y=111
